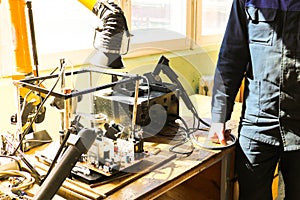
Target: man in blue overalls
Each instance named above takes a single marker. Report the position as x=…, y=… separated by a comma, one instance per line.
x=262, y=45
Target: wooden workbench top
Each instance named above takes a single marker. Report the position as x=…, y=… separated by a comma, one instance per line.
x=168, y=169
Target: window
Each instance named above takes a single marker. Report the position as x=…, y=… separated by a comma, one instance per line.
x=177, y=24
x=63, y=29
x=214, y=16
x=211, y=16
x=62, y=25
x=155, y=16
x=157, y=25
x=66, y=28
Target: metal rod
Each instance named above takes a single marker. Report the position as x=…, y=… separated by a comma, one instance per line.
x=75, y=93
x=67, y=111
x=134, y=112
x=33, y=41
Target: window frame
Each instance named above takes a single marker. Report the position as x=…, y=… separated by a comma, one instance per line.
x=160, y=46
x=193, y=39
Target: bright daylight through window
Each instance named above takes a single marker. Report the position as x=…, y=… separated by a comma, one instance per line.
x=214, y=16
x=65, y=27
x=158, y=20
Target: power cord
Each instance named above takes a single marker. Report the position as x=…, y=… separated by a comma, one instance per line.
x=17, y=184
x=184, y=131
x=189, y=137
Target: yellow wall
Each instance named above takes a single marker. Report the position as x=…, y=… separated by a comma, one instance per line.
x=189, y=65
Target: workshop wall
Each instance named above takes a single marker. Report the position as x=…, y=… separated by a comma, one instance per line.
x=189, y=65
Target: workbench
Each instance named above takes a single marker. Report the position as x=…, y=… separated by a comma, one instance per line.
x=172, y=174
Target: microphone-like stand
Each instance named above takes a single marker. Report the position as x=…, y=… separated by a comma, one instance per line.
x=77, y=145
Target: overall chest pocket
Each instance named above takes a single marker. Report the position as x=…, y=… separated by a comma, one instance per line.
x=261, y=26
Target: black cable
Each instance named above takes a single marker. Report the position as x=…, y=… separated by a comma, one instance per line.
x=36, y=114
x=27, y=163
x=202, y=121
x=24, y=103
x=190, y=137
x=172, y=149
x=11, y=157
x=173, y=135
x=58, y=154
x=184, y=132
x=183, y=142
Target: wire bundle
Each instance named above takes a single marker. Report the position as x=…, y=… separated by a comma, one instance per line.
x=24, y=184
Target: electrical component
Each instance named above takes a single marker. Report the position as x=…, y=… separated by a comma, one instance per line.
x=153, y=108
x=114, y=151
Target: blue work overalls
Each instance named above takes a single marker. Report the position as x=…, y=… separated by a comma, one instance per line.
x=262, y=45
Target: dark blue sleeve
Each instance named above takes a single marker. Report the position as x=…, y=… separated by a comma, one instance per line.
x=233, y=60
